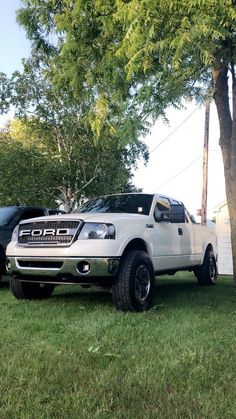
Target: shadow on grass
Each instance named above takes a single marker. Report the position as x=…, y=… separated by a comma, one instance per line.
x=179, y=290
x=188, y=293
x=86, y=296
x=168, y=290
x=172, y=286
x=4, y=283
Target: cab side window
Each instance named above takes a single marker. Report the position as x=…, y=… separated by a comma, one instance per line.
x=163, y=204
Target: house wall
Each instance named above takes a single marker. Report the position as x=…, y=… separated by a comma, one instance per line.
x=225, y=264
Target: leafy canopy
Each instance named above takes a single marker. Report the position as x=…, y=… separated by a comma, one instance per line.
x=53, y=129
x=133, y=58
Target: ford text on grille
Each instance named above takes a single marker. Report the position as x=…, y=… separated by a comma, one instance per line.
x=47, y=232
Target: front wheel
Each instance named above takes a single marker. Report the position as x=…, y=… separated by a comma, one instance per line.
x=29, y=291
x=207, y=273
x=133, y=288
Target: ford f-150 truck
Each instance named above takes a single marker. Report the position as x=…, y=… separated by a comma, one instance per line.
x=119, y=241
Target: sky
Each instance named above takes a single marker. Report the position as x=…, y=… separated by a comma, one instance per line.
x=175, y=164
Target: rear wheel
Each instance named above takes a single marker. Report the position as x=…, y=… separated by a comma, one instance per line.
x=28, y=290
x=133, y=288
x=207, y=273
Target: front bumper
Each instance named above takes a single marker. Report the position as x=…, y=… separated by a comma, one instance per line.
x=62, y=270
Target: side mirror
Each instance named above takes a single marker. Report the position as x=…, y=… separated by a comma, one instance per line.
x=177, y=214
x=174, y=214
x=160, y=216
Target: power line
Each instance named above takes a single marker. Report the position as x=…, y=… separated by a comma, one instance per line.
x=166, y=138
x=179, y=173
x=174, y=130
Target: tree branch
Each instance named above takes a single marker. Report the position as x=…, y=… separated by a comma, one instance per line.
x=90, y=181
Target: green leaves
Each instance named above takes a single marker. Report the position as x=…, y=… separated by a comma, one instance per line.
x=99, y=115
x=110, y=48
x=73, y=140
x=5, y=91
x=27, y=175
x=114, y=67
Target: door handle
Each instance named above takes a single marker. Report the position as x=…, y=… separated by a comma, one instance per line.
x=180, y=231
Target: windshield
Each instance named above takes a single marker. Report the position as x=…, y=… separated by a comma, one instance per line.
x=6, y=213
x=128, y=203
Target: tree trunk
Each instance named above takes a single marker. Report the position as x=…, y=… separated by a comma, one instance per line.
x=230, y=182
x=227, y=143
x=67, y=198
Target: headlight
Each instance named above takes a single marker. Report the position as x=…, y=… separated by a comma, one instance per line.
x=14, y=236
x=97, y=231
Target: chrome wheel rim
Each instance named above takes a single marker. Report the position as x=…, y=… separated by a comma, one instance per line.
x=142, y=283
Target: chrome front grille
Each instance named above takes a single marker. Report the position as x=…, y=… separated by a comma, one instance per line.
x=48, y=233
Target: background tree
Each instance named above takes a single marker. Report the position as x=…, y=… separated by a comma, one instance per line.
x=27, y=175
x=31, y=173
x=54, y=126
x=144, y=55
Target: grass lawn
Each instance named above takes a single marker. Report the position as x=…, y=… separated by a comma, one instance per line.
x=75, y=356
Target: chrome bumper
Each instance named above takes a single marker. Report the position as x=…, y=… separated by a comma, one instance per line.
x=63, y=269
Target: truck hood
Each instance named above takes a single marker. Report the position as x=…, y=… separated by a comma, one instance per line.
x=91, y=217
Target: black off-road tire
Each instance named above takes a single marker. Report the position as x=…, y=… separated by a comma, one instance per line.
x=207, y=273
x=133, y=288
x=30, y=291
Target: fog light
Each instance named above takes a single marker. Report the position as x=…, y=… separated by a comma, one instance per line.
x=83, y=267
x=112, y=266
x=8, y=264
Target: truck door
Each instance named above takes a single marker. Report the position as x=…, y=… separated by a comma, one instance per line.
x=172, y=238
x=187, y=241
x=165, y=238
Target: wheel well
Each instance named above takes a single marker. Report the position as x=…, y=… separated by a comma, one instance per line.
x=136, y=244
x=208, y=248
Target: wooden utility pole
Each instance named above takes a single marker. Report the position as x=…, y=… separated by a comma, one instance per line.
x=205, y=165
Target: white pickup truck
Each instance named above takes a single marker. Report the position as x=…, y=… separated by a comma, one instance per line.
x=118, y=241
